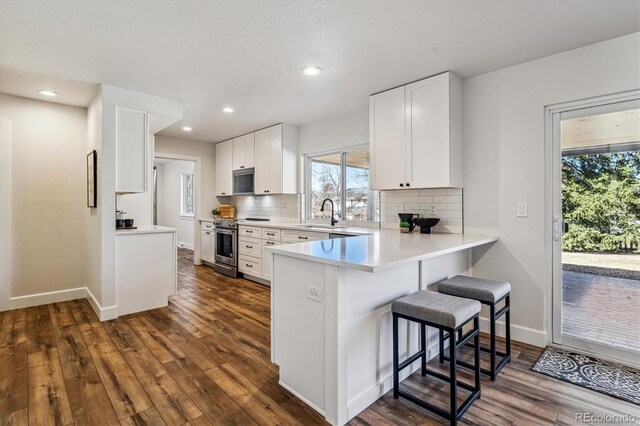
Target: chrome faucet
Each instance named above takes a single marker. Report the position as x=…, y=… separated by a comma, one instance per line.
x=333, y=218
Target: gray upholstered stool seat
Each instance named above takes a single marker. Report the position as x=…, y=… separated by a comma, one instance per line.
x=436, y=308
x=488, y=291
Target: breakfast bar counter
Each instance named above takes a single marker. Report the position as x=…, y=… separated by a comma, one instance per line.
x=331, y=311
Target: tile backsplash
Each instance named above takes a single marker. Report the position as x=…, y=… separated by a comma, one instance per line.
x=444, y=203
x=284, y=207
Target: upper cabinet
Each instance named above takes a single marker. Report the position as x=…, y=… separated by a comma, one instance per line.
x=276, y=172
x=415, y=135
x=132, y=135
x=224, y=172
x=244, y=152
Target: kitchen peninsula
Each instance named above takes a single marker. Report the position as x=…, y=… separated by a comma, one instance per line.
x=331, y=311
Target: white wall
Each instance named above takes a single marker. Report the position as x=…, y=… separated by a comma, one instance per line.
x=206, y=152
x=504, y=154
x=48, y=195
x=170, y=199
x=335, y=132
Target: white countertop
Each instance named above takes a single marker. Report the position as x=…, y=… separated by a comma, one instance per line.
x=348, y=230
x=381, y=249
x=151, y=229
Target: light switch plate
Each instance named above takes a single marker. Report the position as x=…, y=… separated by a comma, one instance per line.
x=522, y=209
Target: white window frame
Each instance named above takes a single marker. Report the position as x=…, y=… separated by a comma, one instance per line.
x=183, y=198
x=307, y=185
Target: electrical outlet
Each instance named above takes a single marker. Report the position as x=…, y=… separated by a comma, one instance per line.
x=522, y=209
x=314, y=293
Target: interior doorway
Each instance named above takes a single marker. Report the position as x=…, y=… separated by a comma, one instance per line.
x=177, y=198
x=596, y=227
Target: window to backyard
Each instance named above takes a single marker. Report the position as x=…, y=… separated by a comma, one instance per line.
x=187, y=195
x=343, y=177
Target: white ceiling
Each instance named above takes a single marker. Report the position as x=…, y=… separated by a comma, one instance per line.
x=248, y=54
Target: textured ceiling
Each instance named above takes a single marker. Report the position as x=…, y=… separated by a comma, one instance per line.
x=248, y=54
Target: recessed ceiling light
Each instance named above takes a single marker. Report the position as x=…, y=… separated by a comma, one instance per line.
x=187, y=129
x=312, y=70
x=227, y=109
x=47, y=93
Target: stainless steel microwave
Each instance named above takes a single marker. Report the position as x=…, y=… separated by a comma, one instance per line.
x=243, y=181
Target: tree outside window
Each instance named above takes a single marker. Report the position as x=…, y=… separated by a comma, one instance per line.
x=342, y=177
x=187, y=195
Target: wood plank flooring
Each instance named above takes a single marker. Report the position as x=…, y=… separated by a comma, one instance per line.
x=205, y=360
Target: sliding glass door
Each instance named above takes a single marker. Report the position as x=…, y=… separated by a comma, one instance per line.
x=596, y=228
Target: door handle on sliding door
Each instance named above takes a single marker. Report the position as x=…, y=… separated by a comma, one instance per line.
x=557, y=227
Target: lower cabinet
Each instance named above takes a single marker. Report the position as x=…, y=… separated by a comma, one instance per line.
x=254, y=261
x=207, y=242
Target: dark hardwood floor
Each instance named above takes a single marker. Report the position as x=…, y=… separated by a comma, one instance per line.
x=205, y=360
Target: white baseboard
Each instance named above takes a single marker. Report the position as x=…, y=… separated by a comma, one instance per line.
x=186, y=245
x=104, y=314
x=48, y=297
x=518, y=332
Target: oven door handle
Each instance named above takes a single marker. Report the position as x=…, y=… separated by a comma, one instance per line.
x=226, y=231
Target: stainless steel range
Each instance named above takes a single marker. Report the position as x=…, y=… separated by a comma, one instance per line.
x=226, y=257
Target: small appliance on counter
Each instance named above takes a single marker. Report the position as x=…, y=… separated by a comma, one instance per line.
x=426, y=223
x=408, y=218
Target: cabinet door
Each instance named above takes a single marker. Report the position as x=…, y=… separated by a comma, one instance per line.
x=387, y=139
x=131, y=150
x=224, y=168
x=275, y=160
x=243, y=152
x=428, y=124
x=267, y=259
x=262, y=174
x=206, y=246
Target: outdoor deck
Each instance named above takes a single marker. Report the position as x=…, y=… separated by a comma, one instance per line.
x=601, y=309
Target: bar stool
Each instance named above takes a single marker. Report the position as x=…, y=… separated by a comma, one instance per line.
x=487, y=292
x=446, y=313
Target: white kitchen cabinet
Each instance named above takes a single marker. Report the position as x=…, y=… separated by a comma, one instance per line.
x=244, y=152
x=415, y=135
x=132, y=135
x=267, y=259
x=207, y=246
x=276, y=172
x=224, y=168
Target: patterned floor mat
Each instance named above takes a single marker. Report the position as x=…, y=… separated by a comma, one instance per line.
x=612, y=379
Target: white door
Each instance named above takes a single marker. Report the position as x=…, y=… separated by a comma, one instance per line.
x=224, y=168
x=267, y=259
x=387, y=139
x=428, y=151
x=595, y=308
x=243, y=152
x=207, y=249
x=131, y=150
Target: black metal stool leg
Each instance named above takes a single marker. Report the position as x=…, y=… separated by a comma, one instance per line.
x=396, y=372
x=476, y=353
x=453, y=384
x=423, y=343
x=441, y=345
x=492, y=354
x=508, y=329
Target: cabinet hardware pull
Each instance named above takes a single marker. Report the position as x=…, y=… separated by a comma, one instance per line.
x=270, y=243
x=248, y=266
x=250, y=232
x=242, y=167
x=401, y=184
x=249, y=246
x=408, y=184
x=303, y=238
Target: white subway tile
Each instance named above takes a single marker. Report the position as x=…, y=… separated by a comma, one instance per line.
x=454, y=191
x=433, y=192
